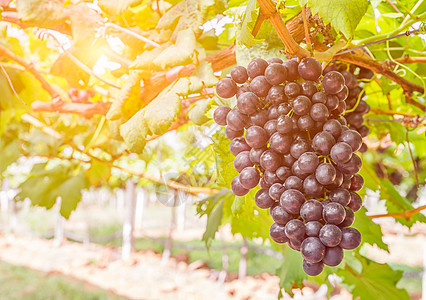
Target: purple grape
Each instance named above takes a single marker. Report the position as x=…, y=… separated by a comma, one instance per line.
x=260, y=86
x=291, y=200
x=334, y=213
x=255, y=155
x=232, y=134
x=270, y=160
x=341, y=153
x=226, y=88
x=236, y=120
x=295, y=229
x=341, y=196
x=249, y=177
x=271, y=177
x=311, y=210
x=220, y=114
x=276, y=190
x=283, y=173
x=301, y=105
x=239, y=74
x=248, y=103
x=356, y=202
x=333, y=82
x=242, y=160
x=349, y=218
x=319, y=97
x=312, y=249
x=322, y=142
x=310, y=69
x=299, y=147
x=333, y=256
x=292, y=90
x=256, y=137
x=351, y=238
x=293, y=182
x=313, y=269
x=334, y=127
x=357, y=182
x=330, y=235
x=291, y=66
x=256, y=67
x=276, y=95
x=352, y=138
x=284, y=124
x=319, y=112
x=259, y=118
x=277, y=233
x=312, y=187
x=308, y=162
x=276, y=73
x=313, y=228
x=325, y=173
x=237, y=188
x=279, y=215
x=238, y=145
x=263, y=200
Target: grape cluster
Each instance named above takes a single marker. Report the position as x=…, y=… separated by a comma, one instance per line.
x=355, y=105
x=288, y=133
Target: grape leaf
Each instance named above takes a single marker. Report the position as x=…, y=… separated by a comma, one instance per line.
x=180, y=53
x=160, y=113
x=393, y=197
x=224, y=160
x=197, y=114
x=205, y=73
x=214, y=220
x=375, y=281
x=70, y=192
x=371, y=232
x=10, y=152
x=245, y=35
x=134, y=132
x=45, y=185
x=291, y=270
x=145, y=61
x=344, y=15
x=98, y=172
x=44, y=13
x=114, y=7
x=127, y=102
x=187, y=14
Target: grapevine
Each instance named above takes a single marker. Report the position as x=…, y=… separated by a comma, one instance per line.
x=288, y=132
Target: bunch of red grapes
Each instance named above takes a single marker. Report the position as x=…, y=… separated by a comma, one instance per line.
x=288, y=133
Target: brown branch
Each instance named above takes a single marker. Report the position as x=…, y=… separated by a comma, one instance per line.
x=13, y=17
x=87, y=110
x=409, y=99
x=292, y=47
x=30, y=67
x=306, y=26
x=260, y=18
x=411, y=60
x=381, y=68
x=403, y=215
x=392, y=113
x=36, y=123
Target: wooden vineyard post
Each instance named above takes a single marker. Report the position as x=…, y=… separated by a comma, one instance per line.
x=59, y=225
x=242, y=269
x=169, y=243
x=129, y=220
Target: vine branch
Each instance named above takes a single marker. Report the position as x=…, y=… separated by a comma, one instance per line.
x=403, y=215
x=30, y=68
x=291, y=46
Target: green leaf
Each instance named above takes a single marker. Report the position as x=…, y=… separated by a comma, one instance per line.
x=44, y=185
x=371, y=232
x=98, y=172
x=9, y=153
x=44, y=13
x=134, y=132
x=180, y=53
x=160, y=113
x=213, y=222
x=237, y=204
x=375, y=281
x=188, y=14
x=197, y=114
x=224, y=160
x=344, y=15
x=291, y=270
x=70, y=193
x=396, y=203
x=114, y=7
x=204, y=72
x=127, y=102
x=245, y=36
x=145, y=61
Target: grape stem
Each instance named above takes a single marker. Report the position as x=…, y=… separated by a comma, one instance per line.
x=401, y=215
x=412, y=158
x=292, y=47
x=306, y=26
